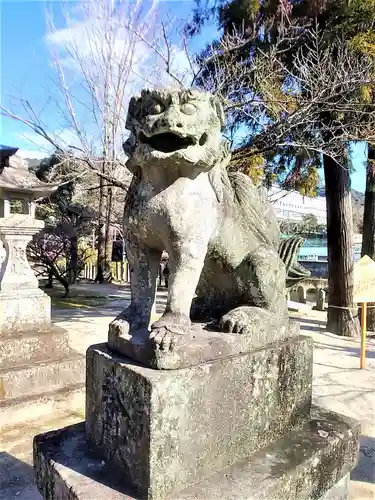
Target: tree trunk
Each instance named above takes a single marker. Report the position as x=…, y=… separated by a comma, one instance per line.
x=109, y=233
x=54, y=270
x=368, y=241
x=73, y=260
x=342, y=319
x=49, y=280
x=101, y=235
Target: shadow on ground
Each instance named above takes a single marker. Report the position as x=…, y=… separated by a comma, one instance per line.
x=116, y=302
x=352, y=351
x=68, y=448
x=17, y=479
x=365, y=470
x=311, y=325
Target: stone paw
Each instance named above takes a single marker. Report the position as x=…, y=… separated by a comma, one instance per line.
x=126, y=322
x=169, y=331
x=119, y=326
x=236, y=321
x=163, y=339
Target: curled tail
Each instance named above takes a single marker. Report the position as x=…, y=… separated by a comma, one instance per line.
x=288, y=250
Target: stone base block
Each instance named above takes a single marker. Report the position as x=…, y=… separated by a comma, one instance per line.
x=199, y=346
x=309, y=463
x=24, y=310
x=165, y=429
x=41, y=343
x=41, y=377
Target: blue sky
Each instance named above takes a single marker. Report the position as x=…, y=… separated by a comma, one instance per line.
x=26, y=68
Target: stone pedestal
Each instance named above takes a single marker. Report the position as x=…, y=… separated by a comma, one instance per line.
x=237, y=428
x=36, y=362
x=177, y=427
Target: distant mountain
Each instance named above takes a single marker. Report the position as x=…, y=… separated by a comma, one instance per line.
x=358, y=197
x=358, y=201
x=33, y=162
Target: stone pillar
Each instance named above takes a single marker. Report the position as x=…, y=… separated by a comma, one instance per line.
x=320, y=300
x=302, y=295
x=22, y=303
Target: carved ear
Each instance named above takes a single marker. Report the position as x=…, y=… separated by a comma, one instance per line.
x=134, y=168
x=133, y=112
x=129, y=145
x=218, y=107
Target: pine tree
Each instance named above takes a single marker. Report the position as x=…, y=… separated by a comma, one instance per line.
x=351, y=23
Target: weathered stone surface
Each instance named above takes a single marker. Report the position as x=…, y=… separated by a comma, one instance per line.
x=339, y=491
x=164, y=430
x=16, y=231
x=42, y=376
x=219, y=230
x=320, y=300
x=24, y=310
x=21, y=347
x=22, y=304
x=310, y=463
x=199, y=345
x=17, y=411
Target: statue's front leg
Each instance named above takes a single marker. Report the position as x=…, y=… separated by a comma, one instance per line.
x=143, y=265
x=186, y=264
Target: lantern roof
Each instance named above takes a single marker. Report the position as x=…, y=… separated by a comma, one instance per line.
x=18, y=177
x=6, y=151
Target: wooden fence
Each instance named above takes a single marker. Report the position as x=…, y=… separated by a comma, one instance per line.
x=120, y=272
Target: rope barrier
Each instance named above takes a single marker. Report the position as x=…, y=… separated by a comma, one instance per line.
x=351, y=308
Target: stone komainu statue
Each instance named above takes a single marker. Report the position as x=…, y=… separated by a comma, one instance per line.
x=227, y=262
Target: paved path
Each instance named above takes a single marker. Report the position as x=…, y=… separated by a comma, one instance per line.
x=338, y=385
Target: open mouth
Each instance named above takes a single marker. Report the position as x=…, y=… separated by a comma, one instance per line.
x=170, y=142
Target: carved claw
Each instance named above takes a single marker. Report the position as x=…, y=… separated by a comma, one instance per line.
x=168, y=331
x=120, y=326
x=236, y=321
x=164, y=339
x=245, y=319
x=127, y=321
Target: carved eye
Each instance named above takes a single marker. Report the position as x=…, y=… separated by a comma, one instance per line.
x=156, y=108
x=188, y=108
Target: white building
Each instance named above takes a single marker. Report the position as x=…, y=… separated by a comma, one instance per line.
x=293, y=206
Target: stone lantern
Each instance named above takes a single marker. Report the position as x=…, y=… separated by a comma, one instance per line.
x=38, y=368
x=22, y=303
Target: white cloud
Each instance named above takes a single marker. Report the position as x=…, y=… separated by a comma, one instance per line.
x=83, y=41
x=35, y=143
x=41, y=147
x=29, y=153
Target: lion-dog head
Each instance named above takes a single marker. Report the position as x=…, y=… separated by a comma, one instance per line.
x=182, y=126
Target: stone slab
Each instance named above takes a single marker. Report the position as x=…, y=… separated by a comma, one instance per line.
x=44, y=342
x=197, y=347
x=310, y=463
x=39, y=377
x=17, y=411
x=339, y=491
x=298, y=306
x=166, y=429
x=24, y=310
